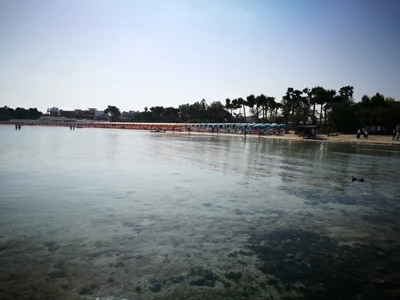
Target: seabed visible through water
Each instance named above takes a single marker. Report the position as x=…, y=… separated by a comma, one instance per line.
x=236, y=220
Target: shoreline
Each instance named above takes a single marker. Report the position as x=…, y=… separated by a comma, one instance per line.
x=342, y=138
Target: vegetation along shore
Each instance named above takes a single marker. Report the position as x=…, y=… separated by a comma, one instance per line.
x=332, y=111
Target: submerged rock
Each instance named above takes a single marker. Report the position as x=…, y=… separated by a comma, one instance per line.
x=233, y=275
x=155, y=285
x=202, y=277
x=317, y=267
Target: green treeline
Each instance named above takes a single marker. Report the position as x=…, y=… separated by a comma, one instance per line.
x=320, y=106
x=7, y=113
x=199, y=111
x=317, y=105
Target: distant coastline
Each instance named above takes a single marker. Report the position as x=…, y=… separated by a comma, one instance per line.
x=340, y=138
x=179, y=128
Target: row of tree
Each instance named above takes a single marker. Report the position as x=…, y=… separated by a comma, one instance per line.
x=321, y=106
x=199, y=111
x=316, y=105
x=7, y=113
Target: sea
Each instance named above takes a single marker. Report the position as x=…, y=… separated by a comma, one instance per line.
x=110, y=214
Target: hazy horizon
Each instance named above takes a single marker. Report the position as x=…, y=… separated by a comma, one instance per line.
x=132, y=54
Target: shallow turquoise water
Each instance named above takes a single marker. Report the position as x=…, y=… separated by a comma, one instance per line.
x=98, y=213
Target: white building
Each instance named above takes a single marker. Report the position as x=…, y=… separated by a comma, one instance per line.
x=54, y=111
x=100, y=115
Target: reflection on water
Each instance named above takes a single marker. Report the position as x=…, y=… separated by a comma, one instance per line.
x=95, y=213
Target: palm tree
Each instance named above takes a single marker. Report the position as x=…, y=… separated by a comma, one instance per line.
x=289, y=100
x=286, y=106
x=297, y=100
x=229, y=105
x=313, y=101
x=259, y=104
x=324, y=98
x=309, y=101
x=274, y=108
x=236, y=105
x=262, y=102
x=320, y=100
x=330, y=97
x=270, y=104
x=242, y=103
x=251, y=101
x=346, y=93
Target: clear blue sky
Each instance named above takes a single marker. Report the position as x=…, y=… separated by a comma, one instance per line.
x=132, y=54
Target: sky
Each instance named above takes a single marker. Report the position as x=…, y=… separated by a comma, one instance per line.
x=135, y=54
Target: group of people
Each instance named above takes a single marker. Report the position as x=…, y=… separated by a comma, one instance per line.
x=396, y=134
x=72, y=127
x=17, y=126
x=364, y=132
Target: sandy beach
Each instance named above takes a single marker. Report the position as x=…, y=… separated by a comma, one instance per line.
x=340, y=138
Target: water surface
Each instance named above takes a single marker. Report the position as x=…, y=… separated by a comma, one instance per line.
x=120, y=214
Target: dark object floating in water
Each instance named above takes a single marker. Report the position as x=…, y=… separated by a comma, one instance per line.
x=158, y=131
x=355, y=179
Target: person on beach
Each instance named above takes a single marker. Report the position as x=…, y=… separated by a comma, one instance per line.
x=397, y=135
x=358, y=133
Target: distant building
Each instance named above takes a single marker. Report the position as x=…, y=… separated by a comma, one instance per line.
x=127, y=116
x=101, y=115
x=88, y=114
x=54, y=111
x=67, y=113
